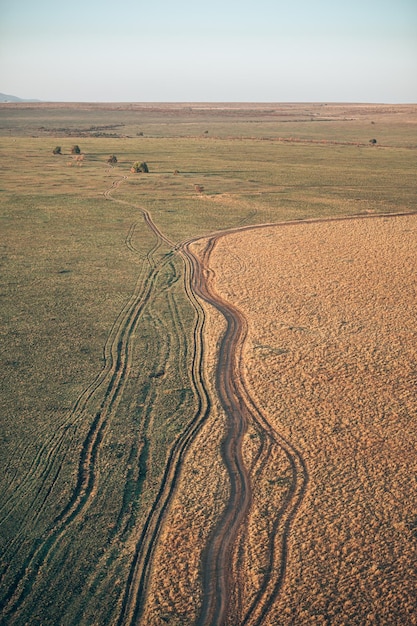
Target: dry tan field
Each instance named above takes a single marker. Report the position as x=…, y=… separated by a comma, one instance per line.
x=330, y=361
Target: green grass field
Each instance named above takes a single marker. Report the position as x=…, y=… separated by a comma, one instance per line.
x=98, y=334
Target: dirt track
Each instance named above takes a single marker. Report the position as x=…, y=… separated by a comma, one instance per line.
x=219, y=583
x=217, y=558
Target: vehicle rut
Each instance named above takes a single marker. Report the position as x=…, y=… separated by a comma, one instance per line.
x=135, y=590
x=109, y=383
x=241, y=411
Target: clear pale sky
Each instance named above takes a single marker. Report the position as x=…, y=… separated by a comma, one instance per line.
x=209, y=50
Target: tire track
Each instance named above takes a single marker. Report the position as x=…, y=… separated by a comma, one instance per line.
x=38, y=471
x=278, y=539
x=175, y=344
x=113, y=378
x=236, y=401
x=217, y=557
x=60, y=442
x=135, y=592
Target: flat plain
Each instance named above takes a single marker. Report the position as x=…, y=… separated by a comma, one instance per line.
x=116, y=483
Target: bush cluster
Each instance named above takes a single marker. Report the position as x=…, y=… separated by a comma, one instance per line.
x=139, y=167
x=74, y=150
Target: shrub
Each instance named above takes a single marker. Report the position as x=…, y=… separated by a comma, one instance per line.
x=75, y=150
x=57, y=150
x=139, y=167
x=112, y=160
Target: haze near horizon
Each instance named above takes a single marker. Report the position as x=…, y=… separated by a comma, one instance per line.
x=193, y=51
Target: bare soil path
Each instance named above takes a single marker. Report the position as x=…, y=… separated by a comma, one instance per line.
x=216, y=581
x=217, y=568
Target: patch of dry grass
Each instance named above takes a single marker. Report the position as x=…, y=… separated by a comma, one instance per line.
x=331, y=359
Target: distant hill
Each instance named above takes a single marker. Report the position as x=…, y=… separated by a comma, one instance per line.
x=4, y=97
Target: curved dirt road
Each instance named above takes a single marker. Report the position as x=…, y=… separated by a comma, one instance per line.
x=218, y=581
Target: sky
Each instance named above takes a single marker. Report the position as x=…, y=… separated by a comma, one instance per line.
x=209, y=50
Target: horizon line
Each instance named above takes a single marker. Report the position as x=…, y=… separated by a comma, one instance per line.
x=211, y=102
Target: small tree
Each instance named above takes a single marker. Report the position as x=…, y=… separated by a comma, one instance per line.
x=112, y=160
x=139, y=167
x=75, y=150
x=57, y=150
x=373, y=141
